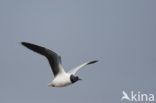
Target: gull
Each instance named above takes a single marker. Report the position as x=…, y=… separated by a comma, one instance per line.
x=61, y=78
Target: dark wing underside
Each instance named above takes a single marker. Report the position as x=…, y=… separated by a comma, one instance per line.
x=53, y=58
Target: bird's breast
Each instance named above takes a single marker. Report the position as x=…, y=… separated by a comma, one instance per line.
x=61, y=80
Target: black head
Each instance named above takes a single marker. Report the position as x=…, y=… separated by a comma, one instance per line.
x=74, y=78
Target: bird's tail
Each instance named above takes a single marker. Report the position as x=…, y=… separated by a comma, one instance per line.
x=50, y=84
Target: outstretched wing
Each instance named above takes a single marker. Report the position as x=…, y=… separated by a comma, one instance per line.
x=73, y=71
x=53, y=58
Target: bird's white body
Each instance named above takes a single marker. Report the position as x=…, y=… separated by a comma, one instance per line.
x=61, y=80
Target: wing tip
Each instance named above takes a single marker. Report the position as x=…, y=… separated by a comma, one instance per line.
x=24, y=43
x=28, y=45
x=92, y=62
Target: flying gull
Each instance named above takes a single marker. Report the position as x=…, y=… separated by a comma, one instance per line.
x=61, y=78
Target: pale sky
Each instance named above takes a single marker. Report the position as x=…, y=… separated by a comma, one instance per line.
x=121, y=34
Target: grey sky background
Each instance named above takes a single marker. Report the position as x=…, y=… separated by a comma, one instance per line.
x=119, y=33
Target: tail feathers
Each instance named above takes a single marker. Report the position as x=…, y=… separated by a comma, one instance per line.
x=49, y=85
